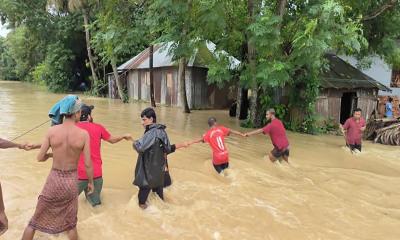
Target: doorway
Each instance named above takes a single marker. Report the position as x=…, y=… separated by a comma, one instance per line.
x=348, y=104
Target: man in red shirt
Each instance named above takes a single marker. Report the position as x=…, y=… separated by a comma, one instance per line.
x=97, y=133
x=353, y=129
x=215, y=137
x=276, y=130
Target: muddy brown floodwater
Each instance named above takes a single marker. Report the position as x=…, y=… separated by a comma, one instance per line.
x=326, y=193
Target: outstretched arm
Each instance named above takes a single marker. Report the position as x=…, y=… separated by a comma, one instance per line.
x=258, y=131
x=238, y=133
x=8, y=144
x=116, y=139
x=43, y=155
x=199, y=140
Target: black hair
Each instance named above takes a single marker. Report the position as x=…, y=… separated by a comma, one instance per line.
x=390, y=99
x=212, y=121
x=357, y=110
x=149, y=113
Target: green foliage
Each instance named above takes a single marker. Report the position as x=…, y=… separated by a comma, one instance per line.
x=7, y=63
x=55, y=72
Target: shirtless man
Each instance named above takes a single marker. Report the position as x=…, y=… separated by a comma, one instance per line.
x=3, y=218
x=57, y=206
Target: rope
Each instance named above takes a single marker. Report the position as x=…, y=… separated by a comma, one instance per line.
x=30, y=130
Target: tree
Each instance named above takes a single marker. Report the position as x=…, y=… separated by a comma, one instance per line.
x=175, y=21
x=121, y=33
x=83, y=7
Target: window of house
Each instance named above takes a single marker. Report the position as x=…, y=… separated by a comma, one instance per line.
x=395, y=79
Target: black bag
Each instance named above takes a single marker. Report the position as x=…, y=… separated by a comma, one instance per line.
x=167, y=176
x=150, y=169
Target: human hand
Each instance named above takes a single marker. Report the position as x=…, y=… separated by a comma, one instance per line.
x=90, y=188
x=3, y=223
x=128, y=137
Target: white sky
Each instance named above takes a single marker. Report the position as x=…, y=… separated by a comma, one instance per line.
x=3, y=30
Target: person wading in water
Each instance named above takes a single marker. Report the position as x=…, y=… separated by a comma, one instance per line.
x=277, y=132
x=151, y=166
x=57, y=206
x=215, y=137
x=3, y=217
x=97, y=133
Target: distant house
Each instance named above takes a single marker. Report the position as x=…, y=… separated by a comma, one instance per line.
x=386, y=75
x=200, y=94
x=344, y=88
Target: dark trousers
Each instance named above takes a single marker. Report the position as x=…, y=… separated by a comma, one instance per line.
x=355, y=146
x=145, y=191
x=221, y=167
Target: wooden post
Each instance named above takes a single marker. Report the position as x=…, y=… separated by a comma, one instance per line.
x=153, y=102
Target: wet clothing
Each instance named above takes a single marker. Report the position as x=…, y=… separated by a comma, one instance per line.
x=389, y=110
x=353, y=130
x=280, y=153
x=94, y=198
x=276, y=130
x=221, y=167
x=57, y=206
x=97, y=133
x=153, y=148
x=67, y=105
x=215, y=137
x=355, y=146
x=144, y=193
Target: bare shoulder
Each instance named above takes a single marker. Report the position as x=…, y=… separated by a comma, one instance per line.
x=82, y=133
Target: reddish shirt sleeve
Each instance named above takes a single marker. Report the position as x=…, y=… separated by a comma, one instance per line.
x=346, y=124
x=363, y=122
x=105, y=135
x=226, y=131
x=206, y=137
x=267, y=129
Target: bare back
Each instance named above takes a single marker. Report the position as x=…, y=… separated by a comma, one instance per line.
x=67, y=143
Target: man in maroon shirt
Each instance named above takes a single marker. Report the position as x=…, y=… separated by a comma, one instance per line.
x=353, y=129
x=276, y=130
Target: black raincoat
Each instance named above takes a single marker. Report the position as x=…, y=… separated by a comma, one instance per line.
x=153, y=148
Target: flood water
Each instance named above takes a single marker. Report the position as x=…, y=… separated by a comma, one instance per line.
x=326, y=193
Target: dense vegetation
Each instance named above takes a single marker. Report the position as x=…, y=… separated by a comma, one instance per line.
x=60, y=43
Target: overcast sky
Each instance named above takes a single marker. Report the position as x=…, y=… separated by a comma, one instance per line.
x=3, y=30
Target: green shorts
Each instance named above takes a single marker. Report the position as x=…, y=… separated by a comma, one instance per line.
x=94, y=198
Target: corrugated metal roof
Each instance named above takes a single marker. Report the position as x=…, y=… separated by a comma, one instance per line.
x=342, y=75
x=163, y=58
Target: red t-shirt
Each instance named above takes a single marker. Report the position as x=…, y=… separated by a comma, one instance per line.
x=354, y=133
x=216, y=138
x=96, y=133
x=277, y=132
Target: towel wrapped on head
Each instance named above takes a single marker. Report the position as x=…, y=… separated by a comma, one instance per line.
x=66, y=106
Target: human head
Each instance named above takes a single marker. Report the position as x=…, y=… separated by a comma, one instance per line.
x=390, y=99
x=357, y=113
x=86, y=113
x=212, y=121
x=270, y=114
x=148, y=116
x=75, y=111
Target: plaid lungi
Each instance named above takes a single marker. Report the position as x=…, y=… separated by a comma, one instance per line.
x=57, y=206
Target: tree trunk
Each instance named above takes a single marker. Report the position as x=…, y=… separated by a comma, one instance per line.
x=182, y=83
x=153, y=102
x=88, y=47
x=255, y=106
x=118, y=82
